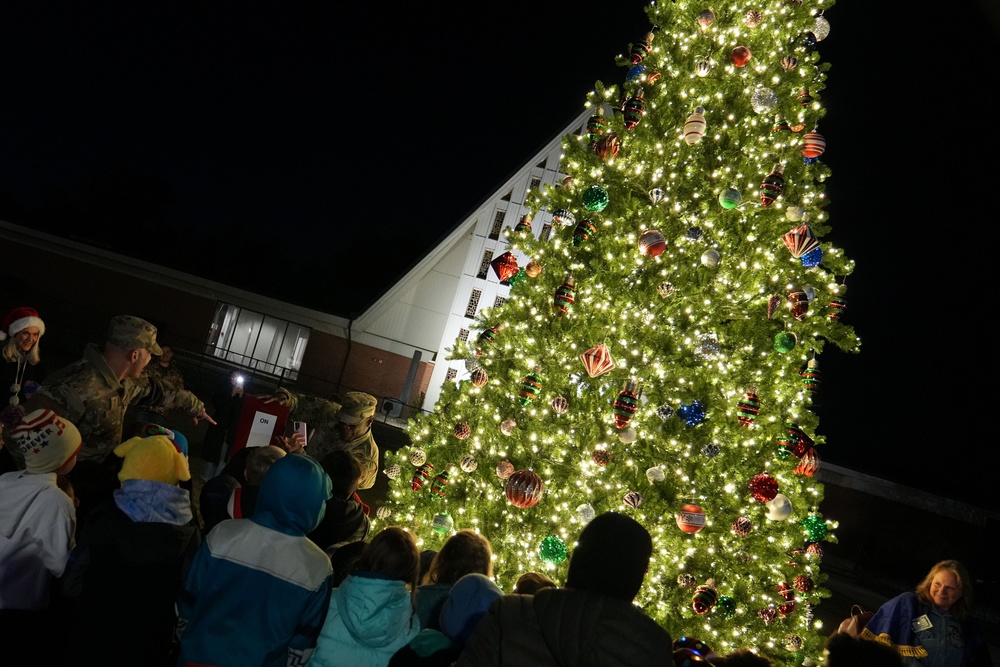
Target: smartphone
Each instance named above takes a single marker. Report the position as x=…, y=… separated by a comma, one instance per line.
x=239, y=380
x=300, y=428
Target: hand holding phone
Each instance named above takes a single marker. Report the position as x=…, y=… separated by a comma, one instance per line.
x=301, y=430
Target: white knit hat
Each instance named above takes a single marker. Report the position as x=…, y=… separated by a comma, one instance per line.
x=46, y=440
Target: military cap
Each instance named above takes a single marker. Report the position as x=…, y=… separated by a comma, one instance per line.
x=133, y=333
x=357, y=407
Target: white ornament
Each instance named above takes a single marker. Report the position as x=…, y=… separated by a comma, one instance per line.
x=794, y=213
x=779, y=508
x=469, y=463
x=764, y=100
x=710, y=258
x=655, y=474
x=585, y=513
x=418, y=457
x=383, y=512
x=628, y=435
x=392, y=471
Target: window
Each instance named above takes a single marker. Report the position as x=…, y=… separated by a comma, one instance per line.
x=546, y=231
x=484, y=266
x=499, y=301
x=258, y=341
x=451, y=375
x=463, y=334
x=470, y=310
x=535, y=183
x=497, y=225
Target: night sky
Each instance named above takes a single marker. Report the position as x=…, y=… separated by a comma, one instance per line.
x=298, y=149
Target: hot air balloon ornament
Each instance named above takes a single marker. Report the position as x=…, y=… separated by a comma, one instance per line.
x=695, y=126
x=607, y=146
x=531, y=385
x=596, y=126
x=836, y=308
x=798, y=303
x=772, y=185
x=748, y=408
x=565, y=295
x=633, y=110
x=584, y=230
x=626, y=404
x=641, y=49
x=812, y=378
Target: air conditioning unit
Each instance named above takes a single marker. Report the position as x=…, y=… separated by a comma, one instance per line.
x=391, y=407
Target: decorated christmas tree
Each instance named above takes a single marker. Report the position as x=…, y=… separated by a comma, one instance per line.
x=658, y=354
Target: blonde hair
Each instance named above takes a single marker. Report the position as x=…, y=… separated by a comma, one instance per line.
x=259, y=460
x=963, y=605
x=12, y=354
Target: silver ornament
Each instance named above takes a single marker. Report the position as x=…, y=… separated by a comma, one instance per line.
x=655, y=474
x=392, y=471
x=585, y=513
x=710, y=258
x=764, y=100
x=469, y=463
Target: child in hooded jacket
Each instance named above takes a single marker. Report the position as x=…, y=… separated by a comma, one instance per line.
x=371, y=614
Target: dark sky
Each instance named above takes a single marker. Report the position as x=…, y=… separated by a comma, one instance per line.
x=298, y=149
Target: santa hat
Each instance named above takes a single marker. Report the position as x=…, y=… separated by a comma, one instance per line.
x=20, y=319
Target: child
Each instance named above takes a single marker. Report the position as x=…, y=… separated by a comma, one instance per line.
x=371, y=612
x=346, y=519
x=258, y=589
x=463, y=553
x=38, y=524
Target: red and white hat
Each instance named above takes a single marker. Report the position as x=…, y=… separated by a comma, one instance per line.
x=20, y=319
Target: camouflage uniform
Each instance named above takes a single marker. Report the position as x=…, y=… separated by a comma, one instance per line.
x=170, y=375
x=366, y=452
x=320, y=416
x=89, y=394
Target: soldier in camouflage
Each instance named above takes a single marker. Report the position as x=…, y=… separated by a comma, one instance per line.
x=94, y=394
x=166, y=370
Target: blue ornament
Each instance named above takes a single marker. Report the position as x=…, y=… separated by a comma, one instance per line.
x=809, y=160
x=635, y=72
x=694, y=233
x=692, y=413
x=812, y=258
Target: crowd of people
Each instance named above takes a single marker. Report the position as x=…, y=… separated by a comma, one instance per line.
x=277, y=564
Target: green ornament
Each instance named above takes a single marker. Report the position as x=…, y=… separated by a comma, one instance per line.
x=784, y=452
x=815, y=527
x=443, y=523
x=726, y=605
x=531, y=384
x=784, y=341
x=595, y=198
x=553, y=550
x=730, y=198
x=517, y=277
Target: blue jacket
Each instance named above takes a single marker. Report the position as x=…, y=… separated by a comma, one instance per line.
x=258, y=590
x=370, y=618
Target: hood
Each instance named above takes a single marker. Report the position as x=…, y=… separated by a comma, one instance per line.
x=293, y=495
x=376, y=612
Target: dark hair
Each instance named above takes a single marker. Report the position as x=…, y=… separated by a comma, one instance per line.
x=611, y=557
x=344, y=559
x=344, y=470
x=530, y=582
x=465, y=552
x=392, y=553
x=963, y=605
x=843, y=650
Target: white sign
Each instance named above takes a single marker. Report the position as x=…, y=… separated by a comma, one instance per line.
x=261, y=429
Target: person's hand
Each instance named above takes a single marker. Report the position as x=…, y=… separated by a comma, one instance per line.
x=204, y=415
x=280, y=399
x=293, y=443
x=237, y=390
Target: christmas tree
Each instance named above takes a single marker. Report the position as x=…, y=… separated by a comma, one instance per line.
x=658, y=354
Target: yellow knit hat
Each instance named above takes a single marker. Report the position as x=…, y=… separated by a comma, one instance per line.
x=155, y=458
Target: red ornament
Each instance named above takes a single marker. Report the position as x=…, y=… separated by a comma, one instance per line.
x=505, y=469
x=641, y=49
x=813, y=145
x=786, y=608
x=798, y=303
x=601, y=457
x=607, y=146
x=740, y=56
x=596, y=126
x=763, y=487
x=800, y=240
x=772, y=305
x=772, y=185
x=805, y=99
x=809, y=464
x=691, y=519
x=462, y=431
x=626, y=404
x=768, y=614
x=652, y=243
x=524, y=489
x=505, y=266
x=423, y=474
x=440, y=485
x=786, y=591
x=814, y=550
x=748, y=408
